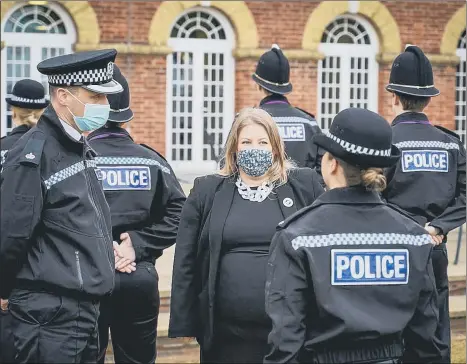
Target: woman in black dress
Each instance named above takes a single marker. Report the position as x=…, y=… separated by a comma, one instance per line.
x=223, y=242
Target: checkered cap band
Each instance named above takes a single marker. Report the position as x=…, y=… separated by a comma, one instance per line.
x=427, y=144
x=3, y=155
x=319, y=241
x=131, y=161
x=357, y=149
x=85, y=77
x=68, y=172
x=29, y=101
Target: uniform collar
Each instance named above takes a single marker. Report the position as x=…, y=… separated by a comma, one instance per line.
x=354, y=195
x=20, y=129
x=411, y=117
x=72, y=132
x=274, y=99
x=109, y=132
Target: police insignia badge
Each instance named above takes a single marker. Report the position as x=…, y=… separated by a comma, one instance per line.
x=425, y=161
x=359, y=267
x=30, y=156
x=110, y=68
x=115, y=178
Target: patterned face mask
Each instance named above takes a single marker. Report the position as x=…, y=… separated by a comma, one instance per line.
x=254, y=162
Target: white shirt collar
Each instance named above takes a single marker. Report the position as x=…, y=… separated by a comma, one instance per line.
x=71, y=131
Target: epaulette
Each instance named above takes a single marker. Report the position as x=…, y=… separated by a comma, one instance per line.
x=32, y=152
x=306, y=112
x=294, y=217
x=448, y=131
x=155, y=151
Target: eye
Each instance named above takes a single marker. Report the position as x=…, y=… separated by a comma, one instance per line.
x=264, y=142
x=245, y=142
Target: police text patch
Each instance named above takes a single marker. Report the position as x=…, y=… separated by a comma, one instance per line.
x=358, y=267
x=125, y=178
x=425, y=161
x=293, y=132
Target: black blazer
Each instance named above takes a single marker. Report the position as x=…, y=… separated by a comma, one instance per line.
x=198, y=246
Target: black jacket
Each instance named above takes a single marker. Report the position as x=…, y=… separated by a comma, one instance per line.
x=9, y=140
x=326, y=310
x=55, y=222
x=143, y=193
x=297, y=129
x=198, y=247
x=429, y=180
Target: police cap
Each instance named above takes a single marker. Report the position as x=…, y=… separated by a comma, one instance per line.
x=92, y=70
x=273, y=72
x=412, y=74
x=120, y=111
x=28, y=94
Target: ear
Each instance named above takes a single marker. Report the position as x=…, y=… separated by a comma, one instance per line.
x=334, y=164
x=395, y=99
x=62, y=96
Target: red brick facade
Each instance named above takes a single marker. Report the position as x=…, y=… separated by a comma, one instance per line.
x=419, y=22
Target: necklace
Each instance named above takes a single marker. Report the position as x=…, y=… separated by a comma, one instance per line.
x=258, y=195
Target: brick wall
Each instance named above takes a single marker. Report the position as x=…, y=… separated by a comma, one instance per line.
x=420, y=23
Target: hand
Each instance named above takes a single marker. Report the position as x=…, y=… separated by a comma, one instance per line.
x=436, y=237
x=3, y=304
x=124, y=255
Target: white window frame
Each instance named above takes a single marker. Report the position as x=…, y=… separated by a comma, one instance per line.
x=36, y=41
x=461, y=53
x=198, y=47
x=345, y=52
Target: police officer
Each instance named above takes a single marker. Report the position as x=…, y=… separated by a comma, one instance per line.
x=27, y=102
x=145, y=201
x=350, y=278
x=56, y=256
x=296, y=126
x=429, y=180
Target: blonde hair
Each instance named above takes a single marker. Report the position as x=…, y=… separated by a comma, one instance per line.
x=27, y=117
x=371, y=178
x=277, y=174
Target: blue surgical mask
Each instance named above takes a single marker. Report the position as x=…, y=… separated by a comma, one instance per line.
x=95, y=116
x=254, y=162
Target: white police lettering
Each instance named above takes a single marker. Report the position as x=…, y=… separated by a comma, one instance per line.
x=125, y=178
x=354, y=267
x=292, y=132
x=425, y=161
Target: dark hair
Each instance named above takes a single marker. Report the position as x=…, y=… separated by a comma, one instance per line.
x=413, y=103
x=53, y=90
x=372, y=178
x=113, y=124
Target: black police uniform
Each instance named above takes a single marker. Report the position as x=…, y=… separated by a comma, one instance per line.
x=26, y=94
x=56, y=257
x=350, y=278
x=145, y=200
x=296, y=126
x=429, y=181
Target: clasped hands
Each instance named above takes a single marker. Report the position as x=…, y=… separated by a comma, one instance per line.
x=436, y=237
x=124, y=254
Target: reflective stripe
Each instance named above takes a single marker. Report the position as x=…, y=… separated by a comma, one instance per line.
x=131, y=161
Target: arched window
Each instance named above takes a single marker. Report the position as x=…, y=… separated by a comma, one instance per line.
x=50, y=32
x=200, y=89
x=348, y=75
x=461, y=75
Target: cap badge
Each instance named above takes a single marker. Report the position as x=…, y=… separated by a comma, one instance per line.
x=30, y=156
x=110, y=69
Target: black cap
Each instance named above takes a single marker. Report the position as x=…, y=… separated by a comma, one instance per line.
x=361, y=138
x=28, y=94
x=412, y=74
x=273, y=72
x=120, y=111
x=92, y=70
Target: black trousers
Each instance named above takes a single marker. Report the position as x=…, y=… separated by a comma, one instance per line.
x=6, y=338
x=131, y=314
x=440, y=269
x=48, y=328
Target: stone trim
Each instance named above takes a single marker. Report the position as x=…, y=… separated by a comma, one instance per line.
x=82, y=13
x=435, y=59
x=453, y=31
x=375, y=11
x=237, y=12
